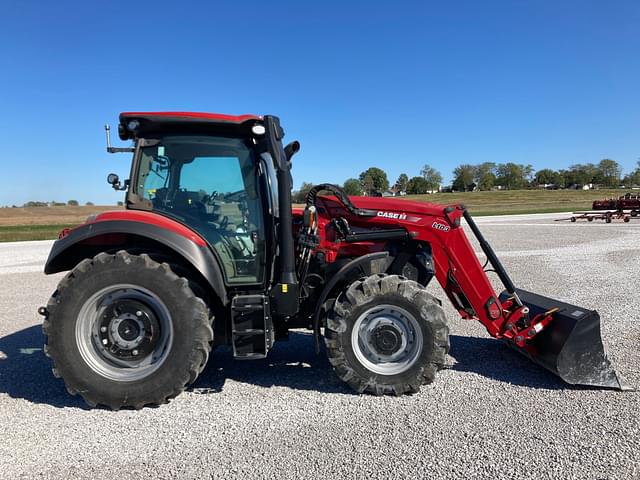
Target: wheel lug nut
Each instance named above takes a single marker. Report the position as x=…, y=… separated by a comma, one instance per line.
x=105, y=341
x=138, y=313
x=103, y=329
x=134, y=352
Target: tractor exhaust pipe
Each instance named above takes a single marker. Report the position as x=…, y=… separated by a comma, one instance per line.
x=571, y=345
x=285, y=292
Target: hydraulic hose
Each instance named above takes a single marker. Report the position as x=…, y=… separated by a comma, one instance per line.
x=342, y=198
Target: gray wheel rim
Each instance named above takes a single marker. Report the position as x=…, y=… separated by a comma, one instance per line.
x=97, y=356
x=401, y=325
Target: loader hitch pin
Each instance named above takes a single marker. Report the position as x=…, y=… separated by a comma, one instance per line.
x=517, y=320
x=522, y=336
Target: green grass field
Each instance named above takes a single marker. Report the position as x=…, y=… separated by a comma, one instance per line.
x=520, y=201
x=45, y=223
x=19, y=233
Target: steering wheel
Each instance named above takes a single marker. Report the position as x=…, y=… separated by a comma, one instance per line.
x=209, y=199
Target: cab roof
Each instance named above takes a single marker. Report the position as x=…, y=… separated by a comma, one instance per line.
x=139, y=124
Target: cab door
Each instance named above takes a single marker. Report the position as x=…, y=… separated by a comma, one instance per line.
x=210, y=184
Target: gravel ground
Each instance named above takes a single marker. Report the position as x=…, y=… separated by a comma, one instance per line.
x=491, y=414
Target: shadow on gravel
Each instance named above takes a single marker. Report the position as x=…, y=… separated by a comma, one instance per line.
x=493, y=359
x=292, y=363
x=25, y=371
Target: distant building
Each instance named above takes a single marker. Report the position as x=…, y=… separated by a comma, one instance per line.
x=396, y=192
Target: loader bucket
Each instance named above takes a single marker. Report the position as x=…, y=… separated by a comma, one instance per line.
x=571, y=345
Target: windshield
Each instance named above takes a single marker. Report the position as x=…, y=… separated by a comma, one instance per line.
x=210, y=184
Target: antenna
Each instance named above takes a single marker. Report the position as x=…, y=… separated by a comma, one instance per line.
x=110, y=149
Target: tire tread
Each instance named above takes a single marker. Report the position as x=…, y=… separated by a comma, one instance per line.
x=199, y=311
x=365, y=290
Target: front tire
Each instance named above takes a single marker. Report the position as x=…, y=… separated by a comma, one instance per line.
x=386, y=335
x=126, y=331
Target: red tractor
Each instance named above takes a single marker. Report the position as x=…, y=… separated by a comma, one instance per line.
x=209, y=251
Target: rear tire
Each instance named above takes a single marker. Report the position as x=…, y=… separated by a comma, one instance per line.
x=386, y=335
x=126, y=331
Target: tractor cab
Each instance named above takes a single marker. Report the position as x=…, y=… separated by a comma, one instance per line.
x=216, y=174
x=223, y=177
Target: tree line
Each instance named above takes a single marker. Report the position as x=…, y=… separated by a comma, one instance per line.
x=53, y=203
x=486, y=176
x=511, y=176
x=374, y=182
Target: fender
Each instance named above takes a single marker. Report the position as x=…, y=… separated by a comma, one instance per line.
x=85, y=241
x=340, y=275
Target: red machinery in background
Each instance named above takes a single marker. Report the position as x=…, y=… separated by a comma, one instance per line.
x=628, y=201
x=609, y=209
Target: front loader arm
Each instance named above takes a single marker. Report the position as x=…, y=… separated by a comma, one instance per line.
x=463, y=278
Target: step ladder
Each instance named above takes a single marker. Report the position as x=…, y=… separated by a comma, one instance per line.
x=252, y=332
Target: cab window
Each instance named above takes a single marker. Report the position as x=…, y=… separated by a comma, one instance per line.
x=209, y=184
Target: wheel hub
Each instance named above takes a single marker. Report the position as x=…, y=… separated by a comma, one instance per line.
x=124, y=332
x=128, y=330
x=387, y=339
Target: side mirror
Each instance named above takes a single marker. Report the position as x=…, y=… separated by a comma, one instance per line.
x=114, y=180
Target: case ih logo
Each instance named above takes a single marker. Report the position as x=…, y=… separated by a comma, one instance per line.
x=397, y=216
x=440, y=226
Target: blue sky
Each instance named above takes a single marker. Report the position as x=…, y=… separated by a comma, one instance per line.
x=389, y=84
